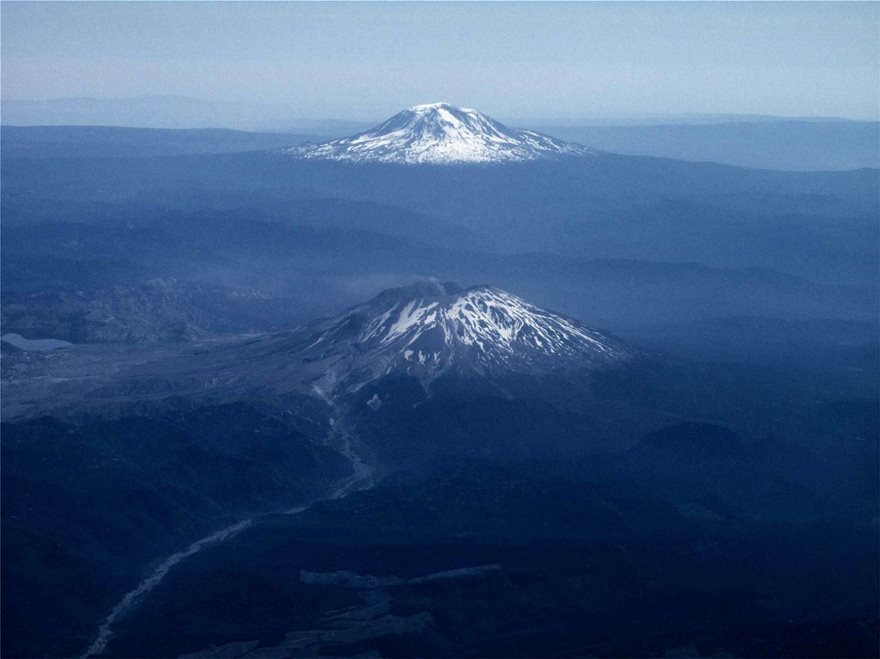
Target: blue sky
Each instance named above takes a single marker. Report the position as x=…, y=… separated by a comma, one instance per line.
x=367, y=60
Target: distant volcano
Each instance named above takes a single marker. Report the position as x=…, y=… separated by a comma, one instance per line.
x=441, y=134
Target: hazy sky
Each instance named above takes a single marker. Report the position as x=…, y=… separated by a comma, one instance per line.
x=366, y=60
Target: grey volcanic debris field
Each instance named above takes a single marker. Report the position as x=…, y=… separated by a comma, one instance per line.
x=296, y=361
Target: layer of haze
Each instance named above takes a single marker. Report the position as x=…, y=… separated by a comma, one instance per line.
x=368, y=60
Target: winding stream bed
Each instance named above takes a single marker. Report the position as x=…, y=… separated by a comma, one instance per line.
x=341, y=439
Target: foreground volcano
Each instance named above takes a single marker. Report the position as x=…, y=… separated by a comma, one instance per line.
x=430, y=329
x=441, y=134
x=425, y=330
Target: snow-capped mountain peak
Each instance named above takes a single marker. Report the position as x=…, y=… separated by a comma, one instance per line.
x=429, y=329
x=441, y=134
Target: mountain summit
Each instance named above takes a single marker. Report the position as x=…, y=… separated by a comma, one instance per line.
x=441, y=134
x=430, y=329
